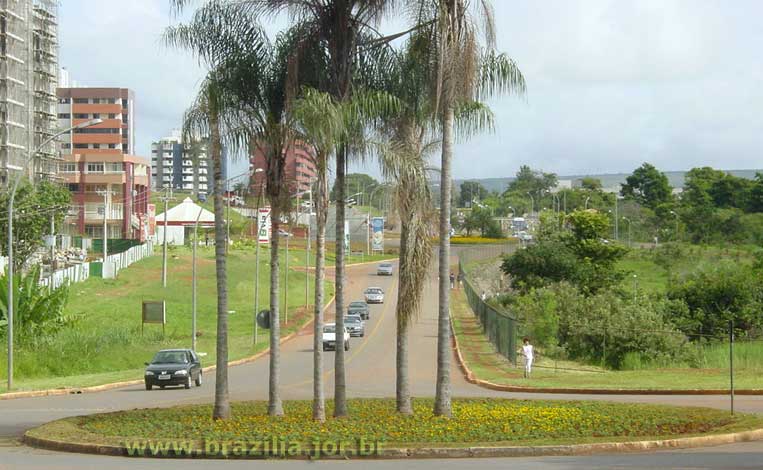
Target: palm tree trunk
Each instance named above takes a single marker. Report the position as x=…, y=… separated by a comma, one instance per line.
x=340, y=387
x=319, y=401
x=403, y=386
x=275, y=407
x=222, y=399
x=442, y=405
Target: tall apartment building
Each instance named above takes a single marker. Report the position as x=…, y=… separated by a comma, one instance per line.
x=28, y=79
x=299, y=172
x=99, y=160
x=180, y=166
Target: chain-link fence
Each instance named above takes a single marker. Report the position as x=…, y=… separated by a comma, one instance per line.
x=498, y=325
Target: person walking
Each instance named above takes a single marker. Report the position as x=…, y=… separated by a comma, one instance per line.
x=529, y=354
x=452, y=280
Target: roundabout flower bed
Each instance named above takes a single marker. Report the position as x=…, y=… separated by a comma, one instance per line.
x=475, y=422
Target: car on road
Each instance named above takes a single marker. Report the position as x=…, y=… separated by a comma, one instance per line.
x=359, y=307
x=173, y=367
x=355, y=325
x=384, y=269
x=284, y=233
x=329, y=337
x=374, y=295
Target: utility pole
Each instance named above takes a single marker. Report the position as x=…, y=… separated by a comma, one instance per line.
x=308, y=235
x=105, y=194
x=166, y=198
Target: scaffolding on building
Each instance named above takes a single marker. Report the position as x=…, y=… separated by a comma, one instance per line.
x=28, y=80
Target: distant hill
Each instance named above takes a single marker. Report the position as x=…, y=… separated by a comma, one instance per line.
x=612, y=180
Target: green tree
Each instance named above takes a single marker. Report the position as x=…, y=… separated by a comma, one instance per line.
x=469, y=191
x=648, y=186
x=528, y=180
x=359, y=183
x=35, y=207
x=591, y=183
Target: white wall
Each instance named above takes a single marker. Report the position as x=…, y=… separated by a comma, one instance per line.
x=175, y=234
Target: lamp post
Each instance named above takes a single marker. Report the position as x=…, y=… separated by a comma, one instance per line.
x=629, y=230
x=193, y=281
x=257, y=256
x=11, y=200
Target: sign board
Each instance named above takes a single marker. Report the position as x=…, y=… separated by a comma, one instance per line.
x=263, y=319
x=347, y=236
x=264, y=225
x=154, y=312
x=377, y=234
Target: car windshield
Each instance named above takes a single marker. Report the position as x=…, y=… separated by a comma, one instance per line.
x=170, y=357
x=374, y=291
x=351, y=319
x=358, y=305
x=385, y=265
x=329, y=329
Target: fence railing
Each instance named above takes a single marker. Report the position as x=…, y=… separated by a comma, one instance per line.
x=500, y=327
x=119, y=261
x=72, y=274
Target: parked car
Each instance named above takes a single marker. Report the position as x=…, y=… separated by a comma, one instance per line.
x=374, y=295
x=359, y=308
x=355, y=325
x=329, y=337
x=284, y=233
x=173, y=367
x=384, y=269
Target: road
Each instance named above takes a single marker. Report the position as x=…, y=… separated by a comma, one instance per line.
x=370, y=373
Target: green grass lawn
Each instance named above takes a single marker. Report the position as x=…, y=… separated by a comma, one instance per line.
x=105, y=343
x=480, y=422
x=487, y=364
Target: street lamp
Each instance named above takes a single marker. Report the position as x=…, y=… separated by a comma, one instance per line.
x=257, y=255
x=11, y=200
x=674, y=213
x=629, y=230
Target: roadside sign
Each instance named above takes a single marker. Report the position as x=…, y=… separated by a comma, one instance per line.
x=154, y=311
x=264, y=226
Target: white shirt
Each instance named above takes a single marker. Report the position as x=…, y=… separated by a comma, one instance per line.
x=527, y=351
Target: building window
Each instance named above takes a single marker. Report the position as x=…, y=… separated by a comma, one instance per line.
x=95, y=167
x=73, y=187
x=96, y=131
x=80, y=146
x=117, y=167
x=124, y=103
x=112, y=116
x=67, y=167
x=112, y=146
x=64, y=115
x=124, y=148
x=96, y=115
x=94, y=188
x=66, y=146
x=64, y=101
x=80, y=116
x=80, y=100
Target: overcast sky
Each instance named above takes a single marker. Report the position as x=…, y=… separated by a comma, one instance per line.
x=611, y=83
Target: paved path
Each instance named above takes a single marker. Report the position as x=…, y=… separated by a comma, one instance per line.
x=370, y=373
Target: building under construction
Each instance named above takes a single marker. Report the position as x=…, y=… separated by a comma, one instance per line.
x=28, y=80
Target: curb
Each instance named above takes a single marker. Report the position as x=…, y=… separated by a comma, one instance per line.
x=113, y=385
x=470, y=377
x=436, y=452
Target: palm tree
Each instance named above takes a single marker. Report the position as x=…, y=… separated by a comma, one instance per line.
x=207, y=116
x=464, y=70
x=262, y=78
x=320, y=122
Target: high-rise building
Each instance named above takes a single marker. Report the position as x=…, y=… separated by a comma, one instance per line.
x=116, y=106
x=300, y=170
x=180, y=166
x=28, y=79
x=105, y=177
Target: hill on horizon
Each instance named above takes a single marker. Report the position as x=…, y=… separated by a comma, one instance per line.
x=608, y=180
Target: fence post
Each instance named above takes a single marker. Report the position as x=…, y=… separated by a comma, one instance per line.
x=731, y=363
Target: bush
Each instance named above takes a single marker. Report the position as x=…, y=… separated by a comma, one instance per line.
x=715, y=295
x=540, y=265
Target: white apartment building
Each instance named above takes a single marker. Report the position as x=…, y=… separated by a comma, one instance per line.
x=179, y=166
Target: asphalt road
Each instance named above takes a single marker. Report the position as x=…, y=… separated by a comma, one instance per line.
x=370, y=373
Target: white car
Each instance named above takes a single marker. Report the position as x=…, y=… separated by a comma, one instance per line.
x=329, y=337
x=374, y=295
x=384, y=269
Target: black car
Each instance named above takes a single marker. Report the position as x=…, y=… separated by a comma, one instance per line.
x=173, y=367
x=359, y=308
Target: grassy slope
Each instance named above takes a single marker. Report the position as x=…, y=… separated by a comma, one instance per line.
x=486, y=364
x=106, y=344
